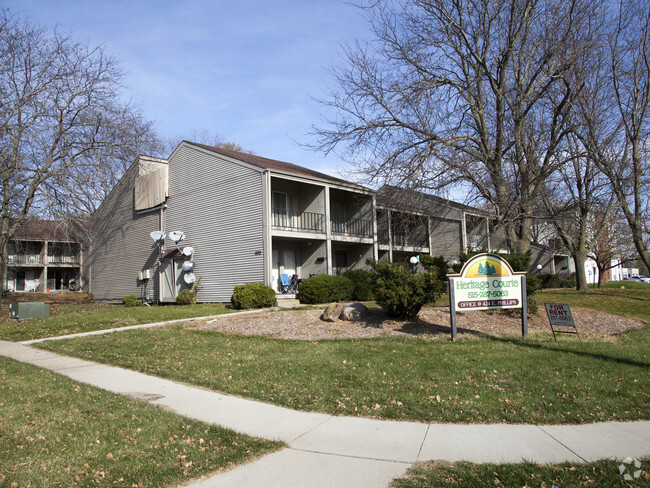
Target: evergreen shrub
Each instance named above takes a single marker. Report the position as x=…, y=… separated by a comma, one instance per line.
x=402, y=293
x=131, y=301
x=186, y=297
x=325, y=288
x=252, y=295
x=362, y=283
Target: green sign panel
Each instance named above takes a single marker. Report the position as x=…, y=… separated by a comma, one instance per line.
x=487, y=282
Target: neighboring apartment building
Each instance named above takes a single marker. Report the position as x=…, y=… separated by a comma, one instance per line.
x=45, y=255
x=250, y=219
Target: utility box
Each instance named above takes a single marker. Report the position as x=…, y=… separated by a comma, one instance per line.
x=29, y=310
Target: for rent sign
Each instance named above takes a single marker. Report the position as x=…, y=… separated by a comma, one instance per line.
x=487, y=282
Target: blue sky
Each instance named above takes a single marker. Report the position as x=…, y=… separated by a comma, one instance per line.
x=245, y=70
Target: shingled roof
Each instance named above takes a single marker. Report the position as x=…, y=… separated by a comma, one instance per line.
x=50, y=230
x=392, y=196
x=273, y=165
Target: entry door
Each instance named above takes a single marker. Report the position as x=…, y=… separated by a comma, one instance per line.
x=289, y=261
x=171, y=279
x=20, y=280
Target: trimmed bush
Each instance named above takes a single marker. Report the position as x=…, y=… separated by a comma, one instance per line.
x=362, y=282
x=186, y=297
x=402, y=293
x=131, y=301
x=325, y=289
x=438, y=265
x=252, y=295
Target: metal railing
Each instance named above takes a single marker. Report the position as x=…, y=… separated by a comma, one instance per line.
x=298, y=221
x=63, y=259
x=352, y=227
x=24, y=259
x=410, y=239
x=404, y=238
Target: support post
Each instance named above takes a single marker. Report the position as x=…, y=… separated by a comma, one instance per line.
x=524, y=308
x=452, y=310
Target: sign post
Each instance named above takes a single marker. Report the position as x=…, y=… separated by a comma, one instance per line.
x=487, y=282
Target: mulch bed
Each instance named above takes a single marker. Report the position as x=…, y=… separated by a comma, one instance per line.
x=431, y=323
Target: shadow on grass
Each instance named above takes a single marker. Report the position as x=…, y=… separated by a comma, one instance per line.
x=423, y=328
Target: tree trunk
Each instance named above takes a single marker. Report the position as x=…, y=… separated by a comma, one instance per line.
x=579, y=258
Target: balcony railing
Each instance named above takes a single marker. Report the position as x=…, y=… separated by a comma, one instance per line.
x=404, y=238
x=352, y=227
x=298, y=221
x=24, y=259
x=410, y=239
x=62, y=259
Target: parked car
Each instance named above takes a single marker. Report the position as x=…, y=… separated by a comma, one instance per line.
x=641, y=278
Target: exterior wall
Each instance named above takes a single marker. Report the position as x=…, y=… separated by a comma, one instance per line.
x=121, y=245
x=544, y=257
x=446, y=238
x=219, y=204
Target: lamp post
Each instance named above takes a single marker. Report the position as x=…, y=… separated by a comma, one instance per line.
x=539, y=274
x=414, y=260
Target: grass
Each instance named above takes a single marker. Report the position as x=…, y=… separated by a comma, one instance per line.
x=633, y=301
x=467, y=475
x=498, y=379
x=57, y=432
x=75, y=318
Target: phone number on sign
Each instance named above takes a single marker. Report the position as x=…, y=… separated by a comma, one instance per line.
x=488, y=294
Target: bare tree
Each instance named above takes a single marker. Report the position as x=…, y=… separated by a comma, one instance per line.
x=579, y=202
x=616, y=131
x=615, y=247
x=459, y=91
x=61, y=119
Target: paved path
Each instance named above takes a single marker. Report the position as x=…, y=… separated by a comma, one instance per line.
x=330, y=451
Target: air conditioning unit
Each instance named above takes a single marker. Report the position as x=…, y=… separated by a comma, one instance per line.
x=145, y=274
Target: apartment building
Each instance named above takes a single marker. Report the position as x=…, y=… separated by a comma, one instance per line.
x=45, y=255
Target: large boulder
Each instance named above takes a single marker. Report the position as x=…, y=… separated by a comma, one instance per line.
x=355, y=312
x=333, y=312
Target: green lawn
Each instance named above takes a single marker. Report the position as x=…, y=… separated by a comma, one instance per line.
x=55, y=432
x=630, y=302
x=499, y=379
x=72, y=319
x=598, y=474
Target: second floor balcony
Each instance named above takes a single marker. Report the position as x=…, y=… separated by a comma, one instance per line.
x=14, y=259
x=351, y=227
x=298, y=221
x=63, y=259
x=418, y=239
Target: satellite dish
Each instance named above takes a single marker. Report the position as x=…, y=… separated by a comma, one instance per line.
x=157, y=235
x=188, y=266
x=176, y=236
x=189, y=278
x=188, y=251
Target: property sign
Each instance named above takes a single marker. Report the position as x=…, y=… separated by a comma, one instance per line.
x=487, y=282
x=559, y=315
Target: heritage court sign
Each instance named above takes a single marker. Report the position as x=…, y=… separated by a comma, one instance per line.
x=487, y=282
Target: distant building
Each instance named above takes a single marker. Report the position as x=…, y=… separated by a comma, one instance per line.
x=45, y=255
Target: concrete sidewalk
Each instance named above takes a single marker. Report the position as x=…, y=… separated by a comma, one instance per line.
x=330, y=451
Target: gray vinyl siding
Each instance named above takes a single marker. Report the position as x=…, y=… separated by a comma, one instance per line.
x=218, y=203
x=446, y=238
x=121, y=246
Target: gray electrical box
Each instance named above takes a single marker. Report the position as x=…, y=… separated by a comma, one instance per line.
x=29, y=310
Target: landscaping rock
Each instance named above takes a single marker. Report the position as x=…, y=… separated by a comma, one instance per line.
x=355, y=312
x=333, y=312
